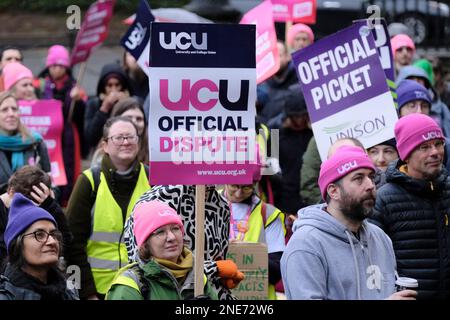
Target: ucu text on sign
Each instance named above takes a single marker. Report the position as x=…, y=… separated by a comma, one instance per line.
x=183, y=41
x=191, y=95
x=136, y=37
x=347, y=166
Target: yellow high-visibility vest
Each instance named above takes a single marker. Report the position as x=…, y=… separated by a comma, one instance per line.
x=105, y=248
x=256, y=229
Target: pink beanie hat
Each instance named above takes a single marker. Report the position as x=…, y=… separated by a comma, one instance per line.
x=413, y=130
x=345, y=160
x=151, y=215
x=58, y=55
x=402, y=40
x=296, y=28
x=13, y=72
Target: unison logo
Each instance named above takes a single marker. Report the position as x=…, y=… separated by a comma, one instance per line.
x=359, y=129
x=183, y=41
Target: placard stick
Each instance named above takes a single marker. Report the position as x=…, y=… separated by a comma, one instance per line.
x=288, y=25
x=199, y=238
x=80, y=76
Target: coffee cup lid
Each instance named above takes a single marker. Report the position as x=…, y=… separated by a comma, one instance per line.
x=406, y=282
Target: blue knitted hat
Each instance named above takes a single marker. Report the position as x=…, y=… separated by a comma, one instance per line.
x=22, y=214
x=410, y=90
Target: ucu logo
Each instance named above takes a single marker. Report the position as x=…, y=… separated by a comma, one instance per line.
x=347, y=166
x=136, y=37
x=183, y=41
x=432, y=135
x=421, y=95
x=164, y=213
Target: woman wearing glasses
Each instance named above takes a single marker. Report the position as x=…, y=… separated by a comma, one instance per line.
x=18, y=145
x=130, y=108
x=165, y=267
x=102, y=200
x=33, y=242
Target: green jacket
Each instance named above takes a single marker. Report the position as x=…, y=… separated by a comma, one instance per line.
x=159, y=281
x=309, y=174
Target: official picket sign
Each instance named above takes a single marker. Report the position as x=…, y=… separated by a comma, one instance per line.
x=45, y=117
x=202, y=100
x=345, y=89
x=267, y=58
x=137, y=39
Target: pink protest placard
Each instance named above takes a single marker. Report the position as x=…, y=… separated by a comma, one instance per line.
x=303, y=11
x=45, y=117
x=94, y=30
x=267, y=59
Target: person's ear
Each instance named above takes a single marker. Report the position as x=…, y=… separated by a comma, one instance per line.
x=104, y=145
x=10, y=191
x=333, y=191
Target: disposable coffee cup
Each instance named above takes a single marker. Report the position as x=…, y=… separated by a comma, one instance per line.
x=404, y=283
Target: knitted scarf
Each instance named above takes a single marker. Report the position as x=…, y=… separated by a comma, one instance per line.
x=182, y=267
x=17, y=145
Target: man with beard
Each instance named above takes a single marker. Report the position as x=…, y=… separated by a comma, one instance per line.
x=334, y=254
x=413, y=206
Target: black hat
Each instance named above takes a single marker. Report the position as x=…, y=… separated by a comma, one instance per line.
x=294, y=104
x=391, y=142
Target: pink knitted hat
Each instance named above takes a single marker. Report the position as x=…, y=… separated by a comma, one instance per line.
x=296, y=28
x=345, y=160
x=13, y=72
x=402, y=40
x=149, y=216
x=58, y=55
x=413, y=130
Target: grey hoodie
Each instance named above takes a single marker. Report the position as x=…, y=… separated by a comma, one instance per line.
x=324, y=260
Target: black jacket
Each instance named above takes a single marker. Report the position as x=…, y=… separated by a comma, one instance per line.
x=414, y=213
x=292, y=147
x=94, y=119
x=18, y=285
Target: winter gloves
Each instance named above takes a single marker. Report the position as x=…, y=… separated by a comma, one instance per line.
x=229, y=273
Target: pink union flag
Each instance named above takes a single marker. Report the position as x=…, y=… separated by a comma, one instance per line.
x=303, y=11
x=94, y=30
x=267, y=59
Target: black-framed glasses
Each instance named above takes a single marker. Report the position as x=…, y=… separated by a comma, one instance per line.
x=119, y=139
x=42, y=235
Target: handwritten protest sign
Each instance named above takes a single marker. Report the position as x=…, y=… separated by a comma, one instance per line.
x=251, y=259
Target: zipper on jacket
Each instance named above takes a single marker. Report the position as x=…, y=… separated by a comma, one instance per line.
x=174, y=281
